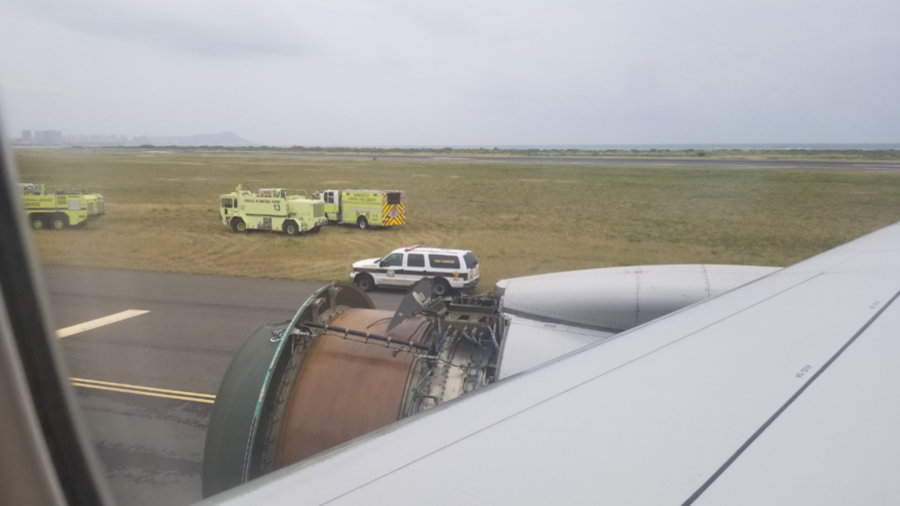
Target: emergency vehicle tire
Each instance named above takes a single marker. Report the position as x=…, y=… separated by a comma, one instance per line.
x=316, y=229
x=37, y=222
x=365, y=282
x=440, y=287
x=291, y=228
x=59, y=222
x=238, y=226
x=362, y=223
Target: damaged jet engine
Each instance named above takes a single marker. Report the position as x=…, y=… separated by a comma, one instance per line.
x=340, y=369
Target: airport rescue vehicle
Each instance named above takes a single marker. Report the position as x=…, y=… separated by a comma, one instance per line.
x=364, y=208
x=271, y=209
x=59, y=209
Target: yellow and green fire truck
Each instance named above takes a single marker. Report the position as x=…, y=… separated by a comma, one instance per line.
x=271, y=209
x=59, y=209
x=364, y=208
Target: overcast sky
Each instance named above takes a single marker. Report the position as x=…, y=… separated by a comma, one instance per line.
x=456, y=72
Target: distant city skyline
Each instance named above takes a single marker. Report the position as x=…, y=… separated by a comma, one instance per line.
x=52, y=137
x=57, y=138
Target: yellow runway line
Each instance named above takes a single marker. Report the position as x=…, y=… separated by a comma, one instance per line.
x=99, y=322
x=139, y=390
x=138, y=387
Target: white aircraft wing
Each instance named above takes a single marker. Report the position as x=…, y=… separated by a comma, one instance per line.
x=784, y=391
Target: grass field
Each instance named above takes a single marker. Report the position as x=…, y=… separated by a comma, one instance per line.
x=162, y=213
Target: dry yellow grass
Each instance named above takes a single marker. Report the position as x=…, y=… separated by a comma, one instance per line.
x=162, y=213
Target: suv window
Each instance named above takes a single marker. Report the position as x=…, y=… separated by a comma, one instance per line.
x=471, y=261
x=444, y=261
x=393, y=260
x=415, y=260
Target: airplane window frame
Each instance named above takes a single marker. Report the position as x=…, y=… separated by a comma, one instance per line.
x=74, y=461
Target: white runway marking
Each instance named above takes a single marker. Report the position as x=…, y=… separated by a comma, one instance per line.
x=99, y=322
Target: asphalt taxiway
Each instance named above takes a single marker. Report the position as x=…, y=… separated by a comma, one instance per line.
x=146, y=352
x=703, y=162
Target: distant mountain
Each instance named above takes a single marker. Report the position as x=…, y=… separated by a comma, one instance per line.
x=221, y=139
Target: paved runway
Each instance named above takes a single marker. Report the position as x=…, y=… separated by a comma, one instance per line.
x=146, y=380
x=589, y=160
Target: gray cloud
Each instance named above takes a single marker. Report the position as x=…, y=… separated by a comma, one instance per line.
x=407, y=72
x=202, y=27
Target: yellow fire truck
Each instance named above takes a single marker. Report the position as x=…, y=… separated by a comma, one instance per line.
x=364, y=208
x=59, y=209
x=271, y=209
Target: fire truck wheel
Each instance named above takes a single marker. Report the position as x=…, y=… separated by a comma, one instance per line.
x=441, y=287
x=59, y=222
x=316, y=229
x=365, y=282
x=37, y=222
x=291, y=228
x=238, y=226
x=362, y=223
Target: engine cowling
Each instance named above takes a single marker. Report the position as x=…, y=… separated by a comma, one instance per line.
x=550, y=315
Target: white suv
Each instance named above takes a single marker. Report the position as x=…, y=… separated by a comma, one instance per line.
x=452, y=269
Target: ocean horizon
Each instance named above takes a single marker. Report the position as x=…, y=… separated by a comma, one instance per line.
x=647, y=147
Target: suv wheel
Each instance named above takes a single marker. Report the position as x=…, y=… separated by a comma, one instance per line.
x=362, y=223
x=441, y=287
x=365, y=282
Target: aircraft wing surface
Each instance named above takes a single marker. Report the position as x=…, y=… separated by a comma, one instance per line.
x=783, y=391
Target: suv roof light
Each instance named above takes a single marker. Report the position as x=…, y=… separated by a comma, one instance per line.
x=411, y=248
